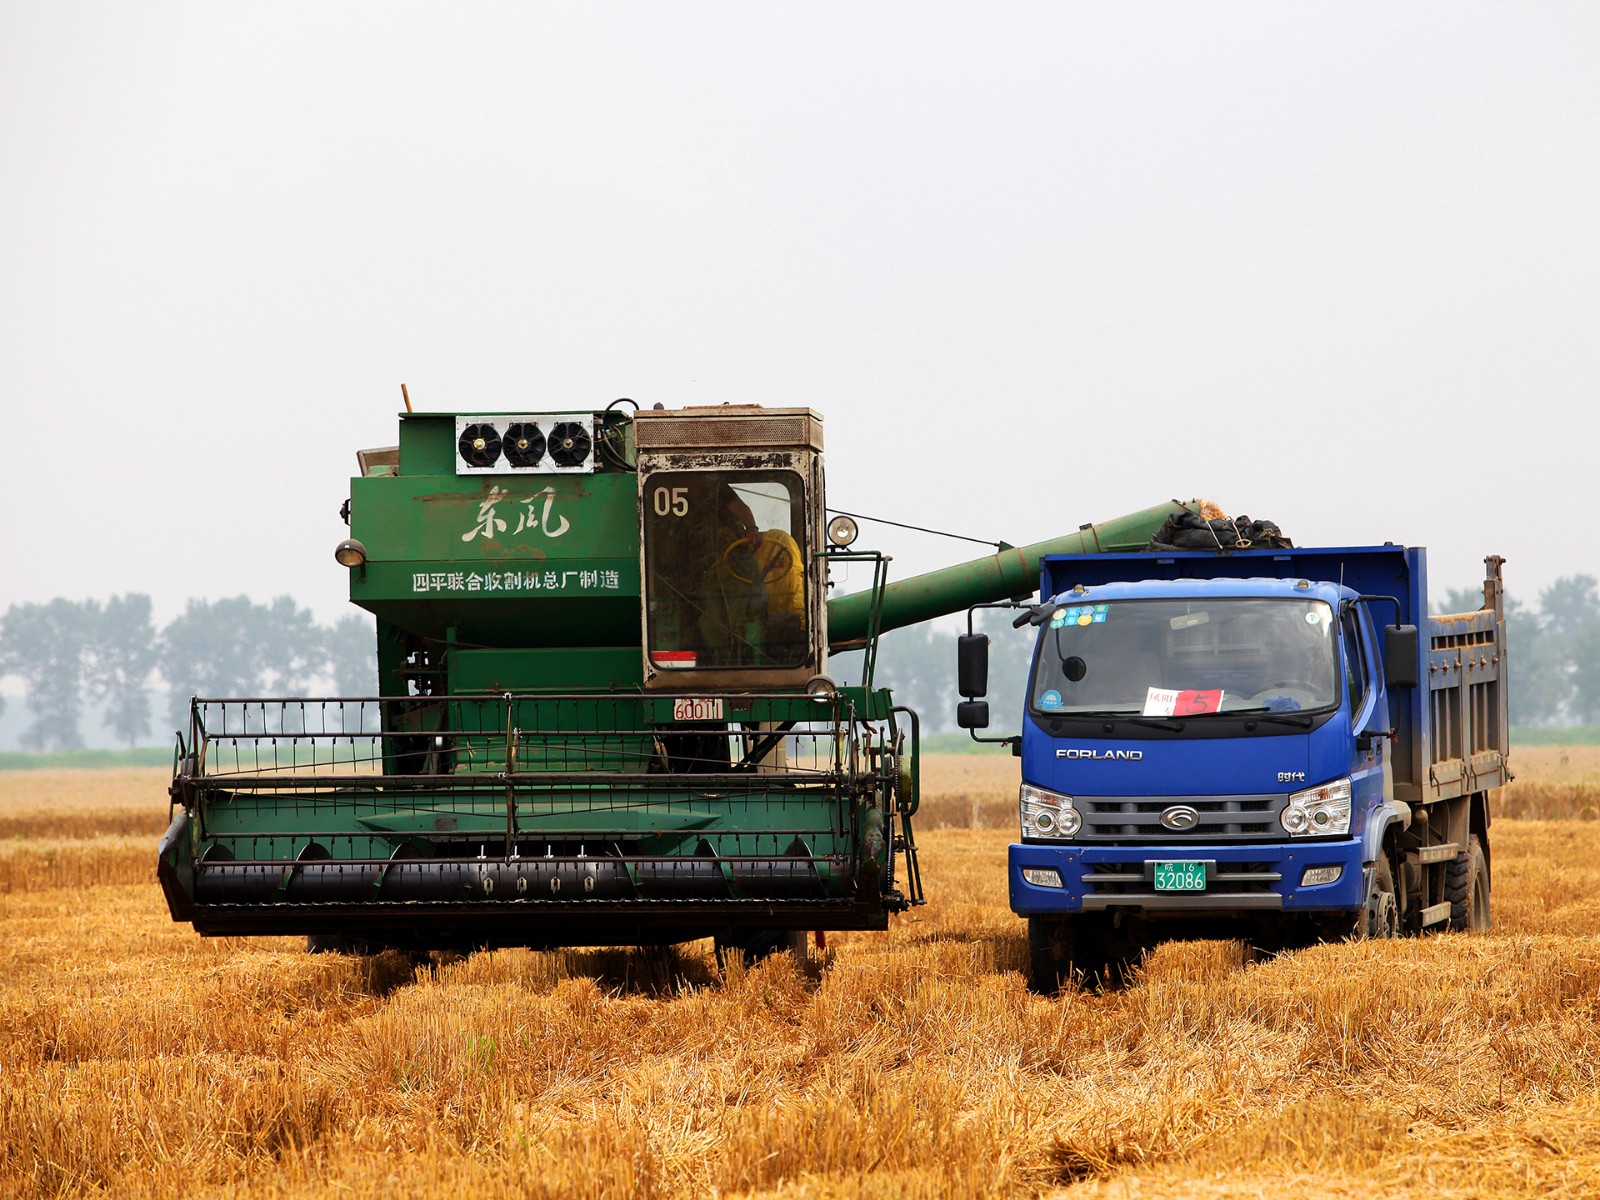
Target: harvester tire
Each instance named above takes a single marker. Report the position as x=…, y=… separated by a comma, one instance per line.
x=755, y=945
x=1466, y=886
x=334, y=943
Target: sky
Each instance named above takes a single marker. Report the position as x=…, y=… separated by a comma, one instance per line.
x=1336, y=265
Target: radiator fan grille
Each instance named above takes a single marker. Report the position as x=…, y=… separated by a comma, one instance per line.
x=569, y=444
x=479, y=444
x=524, y=444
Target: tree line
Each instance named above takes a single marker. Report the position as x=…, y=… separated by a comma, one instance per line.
x=69, y=654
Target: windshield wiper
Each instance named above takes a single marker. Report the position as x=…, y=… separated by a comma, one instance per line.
x=1115, y=714
x=1301, y=720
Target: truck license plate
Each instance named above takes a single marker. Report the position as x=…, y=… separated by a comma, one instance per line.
x=1180, y=876
x=687, y=709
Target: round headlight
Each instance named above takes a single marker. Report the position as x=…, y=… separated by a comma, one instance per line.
x=1295, y=820
x=842, y=531
x=820, y=687
x=1045, y=822
x=350, y=553
x=1071, y=821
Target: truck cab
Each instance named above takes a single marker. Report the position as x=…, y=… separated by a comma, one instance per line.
x=1251, y=746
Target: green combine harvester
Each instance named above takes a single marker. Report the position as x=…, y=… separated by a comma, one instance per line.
x=602, y=715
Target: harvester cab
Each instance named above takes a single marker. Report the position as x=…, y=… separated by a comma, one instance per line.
x=602, y=714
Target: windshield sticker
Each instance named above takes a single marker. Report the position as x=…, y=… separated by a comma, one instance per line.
x=1085, y=614
x=1169, y=702
x=1051, y=699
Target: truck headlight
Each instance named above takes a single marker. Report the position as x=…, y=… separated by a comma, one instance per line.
x=1318, y=811
x=1047, y=814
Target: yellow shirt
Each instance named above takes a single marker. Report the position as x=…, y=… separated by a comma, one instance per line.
x=785, y=581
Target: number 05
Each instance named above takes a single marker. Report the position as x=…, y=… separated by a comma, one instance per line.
x=674, y=501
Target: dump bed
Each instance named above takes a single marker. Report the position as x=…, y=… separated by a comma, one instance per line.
x=1464, y=671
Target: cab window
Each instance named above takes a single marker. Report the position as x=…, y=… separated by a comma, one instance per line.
x=725, y=557
x=1356, y=674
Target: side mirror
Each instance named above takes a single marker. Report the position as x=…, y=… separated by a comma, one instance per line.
x=973, y=714
x=1402, y=666
x=972, y=666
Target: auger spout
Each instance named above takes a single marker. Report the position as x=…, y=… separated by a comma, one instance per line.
x=1008, y=574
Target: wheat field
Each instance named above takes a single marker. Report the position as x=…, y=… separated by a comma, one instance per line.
x=137, y=1059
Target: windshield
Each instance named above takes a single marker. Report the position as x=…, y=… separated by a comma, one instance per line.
x=725, y=569
x=1187, y=657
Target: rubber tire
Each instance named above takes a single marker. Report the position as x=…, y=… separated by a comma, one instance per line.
x=1070, y=948
x=336, y=943
x=757, y=944
x=1385, y=922
x=1466, y=886
x=1052, y=942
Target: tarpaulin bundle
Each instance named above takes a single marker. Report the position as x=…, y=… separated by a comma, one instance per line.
x=1190, y=531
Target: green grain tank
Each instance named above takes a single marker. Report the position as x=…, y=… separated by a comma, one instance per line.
x=602, y=714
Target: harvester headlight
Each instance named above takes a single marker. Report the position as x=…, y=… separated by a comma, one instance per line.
x=842, y=531
x=350, y=553
x=1318, y=811
x=820, y=687
x=1047, y=814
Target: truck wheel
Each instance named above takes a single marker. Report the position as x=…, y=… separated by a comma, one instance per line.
x=1466, y=886
x=1050, y=957
x=1064, y=948
x=1383, y=911
x=757, y=944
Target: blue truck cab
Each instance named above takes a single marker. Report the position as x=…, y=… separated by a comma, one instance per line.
x=1275, y=745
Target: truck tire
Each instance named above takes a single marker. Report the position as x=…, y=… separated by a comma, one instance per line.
x=1069, y=948
x=1383, y=911
x=1466, y=886
x=1050, y=953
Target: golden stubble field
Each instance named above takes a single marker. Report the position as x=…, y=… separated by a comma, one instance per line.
x=137, y=1059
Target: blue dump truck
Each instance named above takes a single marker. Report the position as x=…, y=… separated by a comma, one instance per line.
x=1275, y=745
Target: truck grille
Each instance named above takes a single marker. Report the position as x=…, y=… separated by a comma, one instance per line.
x=1138, y=818
x=1225, y=879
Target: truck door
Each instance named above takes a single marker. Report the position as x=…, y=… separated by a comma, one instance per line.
x=1368, y=712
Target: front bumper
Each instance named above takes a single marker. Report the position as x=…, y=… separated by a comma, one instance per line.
x=1241, y=879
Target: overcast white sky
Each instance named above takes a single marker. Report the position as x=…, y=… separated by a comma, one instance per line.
x=1037, y=264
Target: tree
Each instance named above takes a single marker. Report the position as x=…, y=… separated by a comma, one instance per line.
x=47, y=646
x=1539, y=681
x=919, y=664
x=215, y=649
x=124, y=655
x=1570, y=612
x=353, y=656
x=293, y=647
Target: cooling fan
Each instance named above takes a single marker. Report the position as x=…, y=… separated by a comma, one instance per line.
x=569, y=444
x=479, y=444
x=524, y=444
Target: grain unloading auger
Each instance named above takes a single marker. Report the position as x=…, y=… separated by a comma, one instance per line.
x=602, y=714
